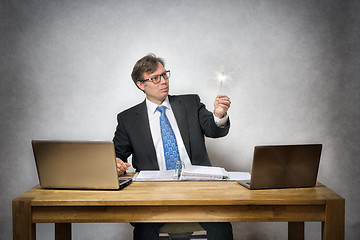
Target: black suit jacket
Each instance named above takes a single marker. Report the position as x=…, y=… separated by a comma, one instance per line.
x=133, y=134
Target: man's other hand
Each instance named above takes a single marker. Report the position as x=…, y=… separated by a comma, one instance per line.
x=121, y=166
x=221, y=105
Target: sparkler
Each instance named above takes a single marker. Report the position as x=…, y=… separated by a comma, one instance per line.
x=222, y=77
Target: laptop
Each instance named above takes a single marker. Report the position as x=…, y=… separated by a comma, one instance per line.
x=284, y=166
x=77, y=165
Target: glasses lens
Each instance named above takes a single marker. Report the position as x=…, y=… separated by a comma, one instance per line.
x=157, y=79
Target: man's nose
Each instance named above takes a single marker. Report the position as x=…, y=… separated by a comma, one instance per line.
x=162, y=80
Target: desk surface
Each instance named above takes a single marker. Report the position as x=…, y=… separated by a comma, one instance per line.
x=217, y=201
x=180, y=193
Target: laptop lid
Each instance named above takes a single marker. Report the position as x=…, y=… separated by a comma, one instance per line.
x=76, y=164
x=285, y=166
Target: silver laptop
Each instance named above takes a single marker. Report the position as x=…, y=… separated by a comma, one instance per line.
x=284, y=166
x=77, y=165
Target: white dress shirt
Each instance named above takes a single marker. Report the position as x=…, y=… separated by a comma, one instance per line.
x=154, y=122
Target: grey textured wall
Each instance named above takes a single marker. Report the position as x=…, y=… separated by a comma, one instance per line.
x=65, y=73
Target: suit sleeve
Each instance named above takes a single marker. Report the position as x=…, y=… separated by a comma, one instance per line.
x=207, y=122
x=123, y=148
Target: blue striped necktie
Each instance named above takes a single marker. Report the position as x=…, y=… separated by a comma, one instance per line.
x=171, y=151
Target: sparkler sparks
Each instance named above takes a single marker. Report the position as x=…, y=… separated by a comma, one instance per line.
x=222, y=77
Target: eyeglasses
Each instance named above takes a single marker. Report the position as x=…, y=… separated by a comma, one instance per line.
x=157, y=78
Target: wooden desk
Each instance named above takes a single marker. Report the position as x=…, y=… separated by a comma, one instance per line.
x=180, y=202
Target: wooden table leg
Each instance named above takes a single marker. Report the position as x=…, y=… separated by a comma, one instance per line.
x=296, y=231
x=333, y=228
x=23, y=227
x=62, y=231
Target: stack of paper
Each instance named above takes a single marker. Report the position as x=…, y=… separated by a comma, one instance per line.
x=155, y=176
x=203, y=173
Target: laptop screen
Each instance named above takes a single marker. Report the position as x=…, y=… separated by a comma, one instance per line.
x=285, y=166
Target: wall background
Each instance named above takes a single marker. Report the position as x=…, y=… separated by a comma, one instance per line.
x=65, y=73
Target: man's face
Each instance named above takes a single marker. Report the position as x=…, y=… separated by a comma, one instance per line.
x=155, y=93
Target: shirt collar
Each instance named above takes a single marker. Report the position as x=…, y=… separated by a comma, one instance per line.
x=151, y=107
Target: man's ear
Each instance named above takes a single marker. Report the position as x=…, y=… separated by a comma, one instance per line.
x=140, y=85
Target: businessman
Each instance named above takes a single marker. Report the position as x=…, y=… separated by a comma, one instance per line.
x=164, y=129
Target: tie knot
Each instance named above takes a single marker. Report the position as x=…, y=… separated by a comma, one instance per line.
x=161, y=109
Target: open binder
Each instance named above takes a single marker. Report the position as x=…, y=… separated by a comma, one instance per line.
x=190, y=173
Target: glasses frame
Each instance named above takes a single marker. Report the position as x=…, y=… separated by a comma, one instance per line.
x=164, y=75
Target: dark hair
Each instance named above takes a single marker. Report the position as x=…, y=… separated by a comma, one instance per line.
x=145, y=64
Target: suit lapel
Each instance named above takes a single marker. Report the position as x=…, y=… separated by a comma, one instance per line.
x=181, y=119
x=142, y=123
